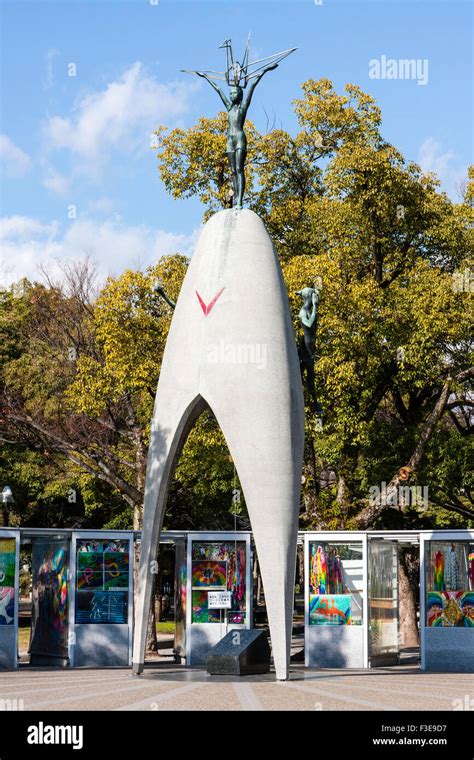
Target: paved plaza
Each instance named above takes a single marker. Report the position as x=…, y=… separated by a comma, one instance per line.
x=172, y=687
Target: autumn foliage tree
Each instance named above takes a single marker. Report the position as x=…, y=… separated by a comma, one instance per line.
x=393, y=352
x=394, y=358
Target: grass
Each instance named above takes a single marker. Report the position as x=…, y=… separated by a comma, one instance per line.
x=23, y=639
x=166, y=627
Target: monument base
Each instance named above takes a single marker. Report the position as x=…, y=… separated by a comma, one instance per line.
x=240, y=653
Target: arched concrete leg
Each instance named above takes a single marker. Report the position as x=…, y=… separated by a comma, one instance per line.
x=170, y=426
x=268, y=461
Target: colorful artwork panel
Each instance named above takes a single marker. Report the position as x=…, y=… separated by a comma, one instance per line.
x=236, y=575
x=50, y=602
x=90, y=546
x=7, y=605
x=182, y=587
x=236, y=617
x=116, y=570
x=448, y=609
x=116, y=562
x=102, y=607
x=7, y=545
x=219, y=565
x=318, y=569
x=199, y=608
x=102, y=581
x=326, y=567
x=114, y=581
x=180, y=583
x=87, y=578
x=7, y=562
x=116, y=545
x=211, y=550
x=200, y=611
x=329, y=609
x=92, y=561
x=209, y=574
x=438, y=571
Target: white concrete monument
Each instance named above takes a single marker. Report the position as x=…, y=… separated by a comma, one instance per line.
x=231, y=347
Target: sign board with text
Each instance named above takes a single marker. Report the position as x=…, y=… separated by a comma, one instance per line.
x=219, y=600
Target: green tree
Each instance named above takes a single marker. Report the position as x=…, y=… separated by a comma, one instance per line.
x=394, y=356
x=393, y=360
x=79, y=378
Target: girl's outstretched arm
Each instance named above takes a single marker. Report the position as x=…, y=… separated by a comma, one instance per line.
x=253, y=85
x=223, y=97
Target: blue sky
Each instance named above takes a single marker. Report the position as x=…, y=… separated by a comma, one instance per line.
x=84, y=140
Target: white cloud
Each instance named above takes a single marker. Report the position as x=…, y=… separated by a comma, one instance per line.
x=27, y=244
x=432, y=158
x=102, y=205
x=15, y=161
x=21, y=228
x=49, y=78
x=57, y=183
x=121, y=117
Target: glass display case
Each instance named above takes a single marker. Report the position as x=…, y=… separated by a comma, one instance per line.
x=335, y=589
x=7, y=580
x=101, y=598
x=50, y=602
x=102, y=580
x=447, y=628
x=218, y=566
x=450, y=584
x=335, y=600
x=217, y=562
x=9, y=585
x=384, y=644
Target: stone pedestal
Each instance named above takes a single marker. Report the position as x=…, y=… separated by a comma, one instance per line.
x=240, y=653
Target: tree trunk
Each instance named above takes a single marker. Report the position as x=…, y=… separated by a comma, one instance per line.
x=151, y=638
x=300, y=566
x=390, y=494
x=140, y=462
x=409, y=636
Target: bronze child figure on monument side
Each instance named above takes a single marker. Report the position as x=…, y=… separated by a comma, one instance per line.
x=237, y=76
x=308, y=317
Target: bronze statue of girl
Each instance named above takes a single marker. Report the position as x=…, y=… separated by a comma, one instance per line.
x=237, y=106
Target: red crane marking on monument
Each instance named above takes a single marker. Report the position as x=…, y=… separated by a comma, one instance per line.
x=207, y=308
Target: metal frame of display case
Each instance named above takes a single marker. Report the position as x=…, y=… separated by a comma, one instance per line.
x=443, y=536
x=208, y=637
x=13, y=533
x=80, y=535
x=338, y=537
x=383, y=660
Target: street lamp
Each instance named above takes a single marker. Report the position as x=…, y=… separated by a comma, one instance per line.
x=6, y=497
